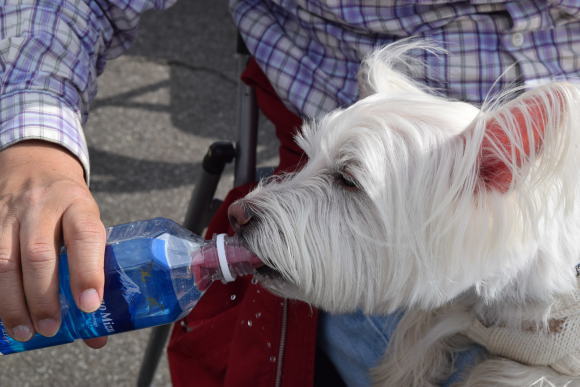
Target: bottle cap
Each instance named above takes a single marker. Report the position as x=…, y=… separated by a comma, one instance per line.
x=223, y=258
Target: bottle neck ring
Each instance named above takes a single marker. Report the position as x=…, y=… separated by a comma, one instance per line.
x=223, y=261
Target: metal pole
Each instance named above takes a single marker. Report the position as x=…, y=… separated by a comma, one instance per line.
x=153, y=353
x=245, y=169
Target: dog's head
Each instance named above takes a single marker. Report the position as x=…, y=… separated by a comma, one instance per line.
x=410, y=199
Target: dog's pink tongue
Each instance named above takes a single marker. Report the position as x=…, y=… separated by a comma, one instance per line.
x=236, y=260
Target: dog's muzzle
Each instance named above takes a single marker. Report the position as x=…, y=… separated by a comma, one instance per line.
x=240, y=216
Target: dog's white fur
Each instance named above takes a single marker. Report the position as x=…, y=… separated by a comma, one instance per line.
x=421, y=227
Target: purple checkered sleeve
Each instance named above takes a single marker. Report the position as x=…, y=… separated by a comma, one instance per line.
x=51, y=52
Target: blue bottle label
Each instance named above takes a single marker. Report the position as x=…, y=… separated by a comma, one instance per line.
x=113, y=315
x=138, y=293
x=138, y=290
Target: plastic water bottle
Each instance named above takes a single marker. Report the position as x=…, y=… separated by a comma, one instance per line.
x=155, y=273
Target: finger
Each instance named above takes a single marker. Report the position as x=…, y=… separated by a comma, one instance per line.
x=97, y=342
x=13, y=311
x=84, y=237
x=39, y=235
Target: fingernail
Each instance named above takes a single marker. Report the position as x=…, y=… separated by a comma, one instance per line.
x=21, y=333
x=89, y=301
x=47, y=327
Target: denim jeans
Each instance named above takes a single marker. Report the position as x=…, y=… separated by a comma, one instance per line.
x=355, y=343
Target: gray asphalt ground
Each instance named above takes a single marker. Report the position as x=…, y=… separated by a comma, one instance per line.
x=158, y=109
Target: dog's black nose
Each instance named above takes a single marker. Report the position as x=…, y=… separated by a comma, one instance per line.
x=239, y=215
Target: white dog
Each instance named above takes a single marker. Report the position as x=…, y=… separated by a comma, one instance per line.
x=468, y=218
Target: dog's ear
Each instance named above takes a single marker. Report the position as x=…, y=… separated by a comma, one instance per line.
x=515, y=134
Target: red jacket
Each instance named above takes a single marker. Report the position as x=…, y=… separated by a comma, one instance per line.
x=240, y=334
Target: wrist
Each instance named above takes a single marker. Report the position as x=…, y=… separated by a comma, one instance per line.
x=42, y=155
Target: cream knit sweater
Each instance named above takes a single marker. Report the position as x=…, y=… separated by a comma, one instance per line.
x=558, y=347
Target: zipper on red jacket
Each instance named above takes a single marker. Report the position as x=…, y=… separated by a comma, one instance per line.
x=283, y=333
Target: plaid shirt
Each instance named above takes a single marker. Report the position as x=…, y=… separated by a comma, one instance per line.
x=52, y=50
x=311, y=49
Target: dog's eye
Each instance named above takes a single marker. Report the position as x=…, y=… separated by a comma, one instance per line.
x=346, y=180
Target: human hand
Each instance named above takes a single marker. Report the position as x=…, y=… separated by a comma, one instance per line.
x=44, y=200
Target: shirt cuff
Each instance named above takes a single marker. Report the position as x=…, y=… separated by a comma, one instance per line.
x=32, y=115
